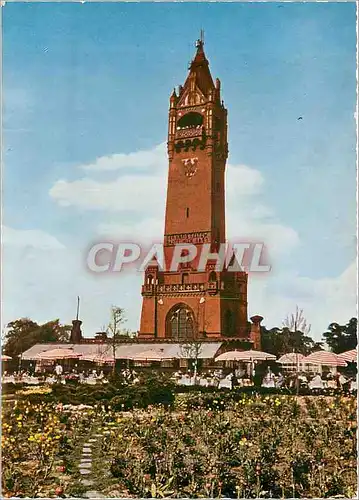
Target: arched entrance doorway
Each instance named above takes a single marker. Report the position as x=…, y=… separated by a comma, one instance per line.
x=180, y=323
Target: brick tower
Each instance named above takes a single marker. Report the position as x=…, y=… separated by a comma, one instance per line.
x=189, y=304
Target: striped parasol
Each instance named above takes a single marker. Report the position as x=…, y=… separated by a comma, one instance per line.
x=350, y=356
x=291, y=358
x=325, y=358
x=245, y=356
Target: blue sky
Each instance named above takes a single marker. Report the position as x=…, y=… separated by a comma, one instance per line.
x=87, y=81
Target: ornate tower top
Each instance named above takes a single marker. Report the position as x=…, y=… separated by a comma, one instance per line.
x=199, y=80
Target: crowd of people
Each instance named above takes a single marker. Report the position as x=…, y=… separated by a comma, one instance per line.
x=219, y=378
x=289, y=380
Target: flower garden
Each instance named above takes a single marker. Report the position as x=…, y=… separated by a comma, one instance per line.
x=195, y=445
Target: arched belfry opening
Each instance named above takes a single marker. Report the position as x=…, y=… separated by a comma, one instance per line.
x=190, y=120
x=180, y=323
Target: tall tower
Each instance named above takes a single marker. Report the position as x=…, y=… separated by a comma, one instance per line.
x=187, y=303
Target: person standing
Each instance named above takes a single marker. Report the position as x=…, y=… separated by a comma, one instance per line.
x=58, y=371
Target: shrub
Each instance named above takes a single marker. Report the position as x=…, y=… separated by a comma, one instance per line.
x=161, y=395
x=120, y=403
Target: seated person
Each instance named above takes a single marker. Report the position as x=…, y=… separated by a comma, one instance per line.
x=268, y=380
x=279, y=380
x=316, y=383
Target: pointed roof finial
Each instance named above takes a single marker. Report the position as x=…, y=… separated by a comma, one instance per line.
x=200, y=56
x=200, y=41
x=199, y=73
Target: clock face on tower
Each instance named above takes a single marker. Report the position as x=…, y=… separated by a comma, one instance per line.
x=190, y=166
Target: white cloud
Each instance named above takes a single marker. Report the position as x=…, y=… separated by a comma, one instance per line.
x=32, y=238
x=242, y=181
x=147, y=229
x=142, y=194
x=148, y=160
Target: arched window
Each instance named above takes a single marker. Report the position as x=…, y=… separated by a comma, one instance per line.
x=229, y=324
x=190, y=120
x=150, y=279
x=180, y=323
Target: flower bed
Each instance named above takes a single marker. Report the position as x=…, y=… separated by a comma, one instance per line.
x=37, y=443
x=258, y=447
x=207, y=445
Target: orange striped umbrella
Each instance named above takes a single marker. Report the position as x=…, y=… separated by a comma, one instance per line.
x=325, y=358
x=350, y=356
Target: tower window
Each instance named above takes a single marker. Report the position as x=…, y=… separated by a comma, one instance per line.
x=187, y=212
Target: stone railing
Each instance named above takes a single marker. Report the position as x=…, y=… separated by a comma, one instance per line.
x=186, y=287
x=212, y=287
x=189, y=132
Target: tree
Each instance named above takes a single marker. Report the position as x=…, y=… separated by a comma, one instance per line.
x=114, y=330
x=192, y=350
x=280, y=341
x=341, y=338
x=296, y=322
x=23, y=333
x=127, y=334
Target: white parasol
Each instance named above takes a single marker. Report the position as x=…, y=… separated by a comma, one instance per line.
x=245, y=356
